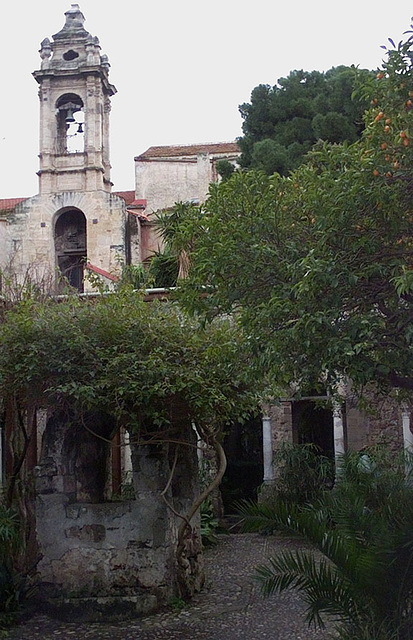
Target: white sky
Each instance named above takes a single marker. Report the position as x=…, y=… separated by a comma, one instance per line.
x=181, y=67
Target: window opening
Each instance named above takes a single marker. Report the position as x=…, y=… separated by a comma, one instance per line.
x=70, y=124
x=70, y=55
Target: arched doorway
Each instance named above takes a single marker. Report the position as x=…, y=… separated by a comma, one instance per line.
x=70, y=247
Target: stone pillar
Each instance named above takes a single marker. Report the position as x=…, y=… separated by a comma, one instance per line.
x=407, y=441
x=267, y=449
x=338, y=428
x=407, y=433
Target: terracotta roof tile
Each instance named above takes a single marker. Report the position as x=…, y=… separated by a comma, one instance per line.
x=139, y=204
x=128, y=196
x=189, y=150
x=8, y=204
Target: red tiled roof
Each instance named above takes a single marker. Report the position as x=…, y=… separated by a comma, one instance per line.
x=189, y=150
x=128, y=196
x=139, y=204
x=8, y=204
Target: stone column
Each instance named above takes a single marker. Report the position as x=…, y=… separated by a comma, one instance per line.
x=407, y=434
x=407, y=441
x=267, y=449
x=338, y=427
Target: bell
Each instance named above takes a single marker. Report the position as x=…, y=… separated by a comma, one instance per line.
x=80, y=128
x=69, y=116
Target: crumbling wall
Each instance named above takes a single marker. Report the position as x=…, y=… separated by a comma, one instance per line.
x=380, y=422
x=106, y=557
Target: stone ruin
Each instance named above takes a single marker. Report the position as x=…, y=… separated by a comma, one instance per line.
x=105, y=553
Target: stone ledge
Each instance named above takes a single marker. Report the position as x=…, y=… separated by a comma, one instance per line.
x=98, y=609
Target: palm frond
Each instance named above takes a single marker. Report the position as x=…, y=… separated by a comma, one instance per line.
x=324, y=590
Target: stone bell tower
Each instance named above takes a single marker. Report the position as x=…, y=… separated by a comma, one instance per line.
x=75, y=225
x=74, y=110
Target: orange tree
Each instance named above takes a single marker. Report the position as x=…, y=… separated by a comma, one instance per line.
x=319, y=265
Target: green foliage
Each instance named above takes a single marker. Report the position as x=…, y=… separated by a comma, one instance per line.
x=175, y=228
x=283, y=122
x=9, y=533
x=11, y=584
x=163, y=269
x=363, y=529
x=209, y=524
x=143, y=364
x=225, y=169
x=177, y=604
x=134, y=275
x=317, y=265
x=269, y=156
x=302, y=473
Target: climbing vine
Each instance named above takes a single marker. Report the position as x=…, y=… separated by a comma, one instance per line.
x=149, y=367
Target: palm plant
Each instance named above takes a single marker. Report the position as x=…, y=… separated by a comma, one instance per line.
x=175, y=227
x=363, y=577
x=10, y=580
x=302, y=473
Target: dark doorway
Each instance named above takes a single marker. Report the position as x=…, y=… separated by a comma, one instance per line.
x=313, y=423
x=70, y=247
x=245, y=466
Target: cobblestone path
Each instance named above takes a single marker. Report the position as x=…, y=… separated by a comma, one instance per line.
x=229, y=607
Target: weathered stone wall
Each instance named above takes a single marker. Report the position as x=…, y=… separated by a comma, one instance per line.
x=29, y=234
x=164, y=182
x=105, y=557
x=281, y=423
x=380, y=423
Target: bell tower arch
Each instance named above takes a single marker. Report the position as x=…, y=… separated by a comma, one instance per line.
x=75, y=224
x=74, y=97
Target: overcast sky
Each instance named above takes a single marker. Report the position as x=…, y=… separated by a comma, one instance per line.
x=181, y=67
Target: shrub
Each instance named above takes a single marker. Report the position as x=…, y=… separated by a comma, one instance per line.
x=363, y=528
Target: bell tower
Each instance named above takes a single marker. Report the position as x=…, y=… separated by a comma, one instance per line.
x=74, y=97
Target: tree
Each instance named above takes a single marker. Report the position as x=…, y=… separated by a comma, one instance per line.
x=152, y=370
x=225, y=169
x=283, y=122
x=318, y=265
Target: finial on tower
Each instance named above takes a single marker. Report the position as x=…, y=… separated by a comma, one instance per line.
x=73, y=26
x=74, y=17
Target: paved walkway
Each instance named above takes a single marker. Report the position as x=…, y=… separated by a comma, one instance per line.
x=229, y=607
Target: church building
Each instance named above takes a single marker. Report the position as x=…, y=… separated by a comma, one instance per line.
x=76, y=222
